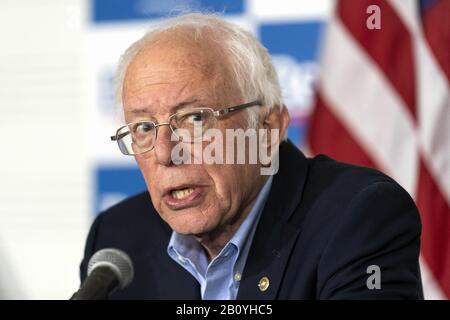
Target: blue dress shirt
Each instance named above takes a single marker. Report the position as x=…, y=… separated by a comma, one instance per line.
x=219, y=280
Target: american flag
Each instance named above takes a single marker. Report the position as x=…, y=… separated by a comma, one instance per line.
x=383, y=101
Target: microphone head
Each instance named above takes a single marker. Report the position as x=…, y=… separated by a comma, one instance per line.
x=117, y=260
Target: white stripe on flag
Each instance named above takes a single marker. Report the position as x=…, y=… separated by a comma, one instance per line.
x=431, y=288
x=370, y=108
x=433, y=99
x=434, y=117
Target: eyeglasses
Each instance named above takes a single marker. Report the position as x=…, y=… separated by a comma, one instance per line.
x=139, y=137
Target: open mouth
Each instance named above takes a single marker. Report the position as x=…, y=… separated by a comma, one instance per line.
x=183, y=196
x=182, y=193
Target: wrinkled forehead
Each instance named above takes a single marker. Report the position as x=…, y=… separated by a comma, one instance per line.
x=179, y=50
x=174, y=66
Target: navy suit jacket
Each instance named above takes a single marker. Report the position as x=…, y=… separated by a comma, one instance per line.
x=323, y=225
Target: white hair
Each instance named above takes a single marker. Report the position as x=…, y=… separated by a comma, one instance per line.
x=250, y=63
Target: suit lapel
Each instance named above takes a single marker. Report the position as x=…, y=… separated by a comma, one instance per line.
x=170, y=280
x=173, y=282
x=276, y=234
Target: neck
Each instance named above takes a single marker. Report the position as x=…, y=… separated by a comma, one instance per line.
x=213, y=242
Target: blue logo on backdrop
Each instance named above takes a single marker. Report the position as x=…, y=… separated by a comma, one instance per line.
x=299, y=40
x=114, y=184
x=121, y=10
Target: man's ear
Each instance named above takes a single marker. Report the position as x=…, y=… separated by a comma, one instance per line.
x=275, y=124
x=277, y=118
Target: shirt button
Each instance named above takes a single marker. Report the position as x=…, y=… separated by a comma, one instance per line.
x=237, y=276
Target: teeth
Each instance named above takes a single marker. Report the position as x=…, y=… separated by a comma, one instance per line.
x=182, y=193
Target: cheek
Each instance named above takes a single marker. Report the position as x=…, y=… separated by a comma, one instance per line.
x=234, y=184
x=227, y=184
x=145, y=167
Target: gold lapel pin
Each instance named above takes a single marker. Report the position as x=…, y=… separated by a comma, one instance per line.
x=263, y=284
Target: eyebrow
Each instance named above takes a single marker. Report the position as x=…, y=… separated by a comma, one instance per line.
x=172, y=109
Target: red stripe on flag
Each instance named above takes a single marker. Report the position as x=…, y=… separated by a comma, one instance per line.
x=435, y=213
x=390, y=47
x=436, y=26
x=327, y=135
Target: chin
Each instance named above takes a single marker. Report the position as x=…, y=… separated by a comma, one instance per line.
x=188, y=224
x=185, y=229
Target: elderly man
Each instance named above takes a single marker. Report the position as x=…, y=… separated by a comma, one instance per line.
x=315, y=229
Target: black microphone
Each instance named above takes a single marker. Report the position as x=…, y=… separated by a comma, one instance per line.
x=108, y=269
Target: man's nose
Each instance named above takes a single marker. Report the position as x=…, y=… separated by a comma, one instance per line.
x=163, y=146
